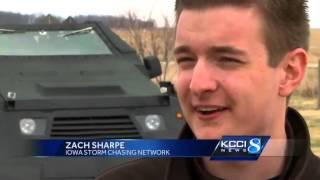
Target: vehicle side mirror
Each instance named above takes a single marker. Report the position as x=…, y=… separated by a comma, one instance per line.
x=152, y=64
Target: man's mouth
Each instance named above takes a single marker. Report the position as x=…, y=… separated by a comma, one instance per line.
x=209, y=112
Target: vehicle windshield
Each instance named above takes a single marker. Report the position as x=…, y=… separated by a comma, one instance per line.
x=52, y=43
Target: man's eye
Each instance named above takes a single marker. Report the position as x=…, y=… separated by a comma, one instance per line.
x=184, y=60
x=230, y=60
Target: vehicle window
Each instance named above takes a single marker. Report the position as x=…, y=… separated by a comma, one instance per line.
x=51, y=43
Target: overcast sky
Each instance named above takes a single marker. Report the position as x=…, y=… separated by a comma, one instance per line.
x=143, y=8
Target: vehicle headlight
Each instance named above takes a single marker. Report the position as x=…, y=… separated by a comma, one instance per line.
x=27, y=126
x=153, y=122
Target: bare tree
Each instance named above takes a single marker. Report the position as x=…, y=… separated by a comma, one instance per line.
x=136, y=32
x=167, y=34
x=47, y=19
x=152, y=41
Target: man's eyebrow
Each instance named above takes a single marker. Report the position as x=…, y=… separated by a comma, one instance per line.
x=225, y=50
x=212, y=49
x=181, y=49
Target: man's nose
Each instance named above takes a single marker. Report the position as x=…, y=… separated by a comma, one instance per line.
x=203, y=78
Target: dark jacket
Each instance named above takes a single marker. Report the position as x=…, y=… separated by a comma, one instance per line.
x=303, y=165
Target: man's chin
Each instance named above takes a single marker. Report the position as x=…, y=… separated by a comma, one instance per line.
x=207, y=133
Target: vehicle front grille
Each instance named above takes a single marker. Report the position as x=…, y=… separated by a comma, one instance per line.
x=97, y=126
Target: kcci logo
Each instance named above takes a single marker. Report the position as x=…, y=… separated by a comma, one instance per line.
x=239, y=147
x=252, y=146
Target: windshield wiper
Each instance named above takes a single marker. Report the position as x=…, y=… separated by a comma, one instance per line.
x=9, y=31
x=80, y=31
x=4, y=31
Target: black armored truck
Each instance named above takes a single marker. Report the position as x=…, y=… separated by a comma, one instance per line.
x=75, y=81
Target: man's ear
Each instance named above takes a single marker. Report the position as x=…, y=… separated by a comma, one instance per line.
x=293, y=67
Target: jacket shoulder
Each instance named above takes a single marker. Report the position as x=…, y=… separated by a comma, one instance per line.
x=315, y=163
x=312, y=170
x=149, y=169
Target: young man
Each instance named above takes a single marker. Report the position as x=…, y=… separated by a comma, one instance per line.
x=238, y=63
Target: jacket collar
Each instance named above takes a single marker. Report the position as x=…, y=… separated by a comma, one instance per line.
x=298, y=133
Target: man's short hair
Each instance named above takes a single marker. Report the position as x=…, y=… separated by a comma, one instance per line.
x=286, y=24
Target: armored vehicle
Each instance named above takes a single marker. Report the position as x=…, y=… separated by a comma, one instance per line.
x=75, y=81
